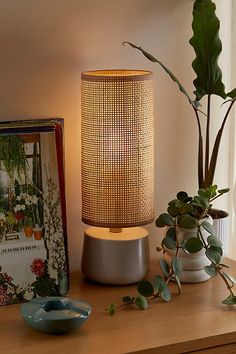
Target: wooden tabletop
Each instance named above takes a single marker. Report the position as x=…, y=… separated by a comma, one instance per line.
x=195, y=321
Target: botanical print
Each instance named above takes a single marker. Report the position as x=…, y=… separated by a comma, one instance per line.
x=33, y=259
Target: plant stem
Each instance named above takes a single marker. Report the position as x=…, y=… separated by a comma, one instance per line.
x=207, y=135
x=201, y=236
x=177, y=241
x=200, y=151
x=225, y=280
x=214, y=155
x=217, y=196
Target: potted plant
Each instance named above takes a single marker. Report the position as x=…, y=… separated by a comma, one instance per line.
x=28, y=226
x=189, y=230
x=190, y=236
x=14, y=159
x=38, y=232
x=208, y=82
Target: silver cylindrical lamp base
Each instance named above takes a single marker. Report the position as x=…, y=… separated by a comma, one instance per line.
x=115, y=258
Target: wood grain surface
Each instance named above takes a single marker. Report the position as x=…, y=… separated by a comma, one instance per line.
x=195, y=322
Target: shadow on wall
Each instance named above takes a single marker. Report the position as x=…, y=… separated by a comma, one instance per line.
x=45, y=45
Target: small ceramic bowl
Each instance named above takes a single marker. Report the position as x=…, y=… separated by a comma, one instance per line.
x=55, y=314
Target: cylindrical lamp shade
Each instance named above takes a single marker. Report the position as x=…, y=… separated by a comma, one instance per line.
x=117, y=148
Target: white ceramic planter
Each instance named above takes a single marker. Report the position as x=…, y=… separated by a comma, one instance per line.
x=193, y=264
x=221, y=227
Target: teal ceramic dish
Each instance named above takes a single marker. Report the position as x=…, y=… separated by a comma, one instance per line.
x=55, y=314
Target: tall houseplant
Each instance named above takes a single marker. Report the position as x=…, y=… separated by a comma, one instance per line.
x=208, y=82
x=207, y=46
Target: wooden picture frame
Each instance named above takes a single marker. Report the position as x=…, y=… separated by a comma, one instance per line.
x=33, y=242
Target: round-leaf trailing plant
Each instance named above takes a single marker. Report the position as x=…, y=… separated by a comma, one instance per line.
x=184, y=212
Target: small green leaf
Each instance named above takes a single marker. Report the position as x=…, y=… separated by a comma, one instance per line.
x=217, y=249
x=159, y=283
x=187, y=222
x=200, y=202
x=141, y=302
x=230, y=278
x=204, y=193
x=192, y=245
x=167, y=219
x=178, y=283
x=145, y=288
x=164, y=267
x=214, y=241
x=213, y=255
x=169, y=243
x=126, y=299
x=186, y=209
x=230, y=300
x=210, y=270
x=173, y=210
x=182, y=196
x=171, y=233
x=225, y=190
x=232, y=93
x=166, y=294
x=176, y=265
x=208, y=227
x=159, y=222
x=112, y=308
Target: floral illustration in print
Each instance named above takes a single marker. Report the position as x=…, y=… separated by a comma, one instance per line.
x=38, y=267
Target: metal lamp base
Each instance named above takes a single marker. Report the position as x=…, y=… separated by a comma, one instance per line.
x=115, y=258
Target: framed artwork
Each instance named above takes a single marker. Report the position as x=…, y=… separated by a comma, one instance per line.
x=33, y=243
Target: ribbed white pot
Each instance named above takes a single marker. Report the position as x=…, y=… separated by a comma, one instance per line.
x=221, y=227
x=193, y=264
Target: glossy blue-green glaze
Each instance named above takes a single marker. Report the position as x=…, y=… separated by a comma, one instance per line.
x=55, y=314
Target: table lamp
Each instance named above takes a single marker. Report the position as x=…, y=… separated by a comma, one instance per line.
x=117, y=174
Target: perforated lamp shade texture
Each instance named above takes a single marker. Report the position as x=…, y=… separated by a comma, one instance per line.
x=117, y=148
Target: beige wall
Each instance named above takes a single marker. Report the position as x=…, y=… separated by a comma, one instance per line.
x=46, y=44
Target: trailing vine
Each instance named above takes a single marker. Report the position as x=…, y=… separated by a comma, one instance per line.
x=184, y=212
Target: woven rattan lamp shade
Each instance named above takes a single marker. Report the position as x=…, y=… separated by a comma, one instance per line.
x=117, y=148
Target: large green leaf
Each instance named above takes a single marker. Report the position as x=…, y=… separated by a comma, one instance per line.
x=150, y=57
x=207, y=46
